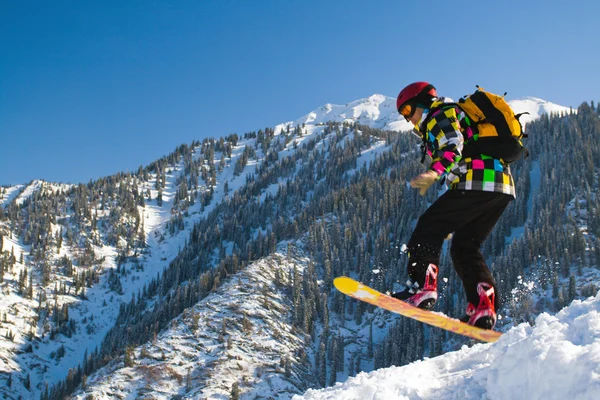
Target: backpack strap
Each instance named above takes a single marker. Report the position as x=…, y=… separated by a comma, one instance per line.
x=517, y=116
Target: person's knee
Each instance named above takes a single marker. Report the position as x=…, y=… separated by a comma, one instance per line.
x=458, y=252
x=463, y=248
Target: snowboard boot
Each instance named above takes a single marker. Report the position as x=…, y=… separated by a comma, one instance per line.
x=424, y=297
x=484, y=315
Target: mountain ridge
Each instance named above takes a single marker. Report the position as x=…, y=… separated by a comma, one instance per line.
x=379, y=111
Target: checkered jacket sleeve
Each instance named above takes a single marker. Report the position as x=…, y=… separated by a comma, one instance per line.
x=446, y=138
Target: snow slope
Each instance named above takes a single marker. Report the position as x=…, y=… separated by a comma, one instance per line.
x=7, y=194
x=558, y=358
x=97, y=314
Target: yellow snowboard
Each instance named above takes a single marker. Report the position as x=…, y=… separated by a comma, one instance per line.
x=364, y=293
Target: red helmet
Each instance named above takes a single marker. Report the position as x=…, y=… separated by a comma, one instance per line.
x=418, y=91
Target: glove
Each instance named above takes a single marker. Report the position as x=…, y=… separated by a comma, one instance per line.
x=424, y=181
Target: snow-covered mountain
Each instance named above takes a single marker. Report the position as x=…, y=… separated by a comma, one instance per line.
x=379, y=111
x=69, y=281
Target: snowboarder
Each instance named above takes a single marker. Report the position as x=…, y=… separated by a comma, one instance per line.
x=479, y=190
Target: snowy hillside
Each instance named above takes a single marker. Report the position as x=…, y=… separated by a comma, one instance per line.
x=215, y=343
x=239, y=333
x=77, y=260
x=7, y=194
x=379, y=111
x=558, y=358
x=91, y=310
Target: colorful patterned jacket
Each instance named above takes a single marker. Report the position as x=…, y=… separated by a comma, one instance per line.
x=446, y=132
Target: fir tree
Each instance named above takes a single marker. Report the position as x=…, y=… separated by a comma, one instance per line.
x=129, y=357
x=572, y=288
x=235, y=391
x=322, y=365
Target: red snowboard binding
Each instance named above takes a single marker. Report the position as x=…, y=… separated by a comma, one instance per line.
x=423, y=298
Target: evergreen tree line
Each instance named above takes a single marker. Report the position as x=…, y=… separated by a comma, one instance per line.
x=191, y=276
x=99, y=213
x=374, y=203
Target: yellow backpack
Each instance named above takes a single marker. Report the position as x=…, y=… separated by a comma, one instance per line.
x=497, y=131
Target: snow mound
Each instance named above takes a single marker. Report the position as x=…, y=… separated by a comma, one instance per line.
x=558, y=358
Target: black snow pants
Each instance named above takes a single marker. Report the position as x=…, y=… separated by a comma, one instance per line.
x=470, y=215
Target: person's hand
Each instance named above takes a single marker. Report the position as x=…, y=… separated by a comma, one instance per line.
x=424, y=181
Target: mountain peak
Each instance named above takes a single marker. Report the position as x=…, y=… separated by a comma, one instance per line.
x=535, y=107
x=377, y=98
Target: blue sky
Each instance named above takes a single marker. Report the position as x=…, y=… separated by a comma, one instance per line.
x=92, y=88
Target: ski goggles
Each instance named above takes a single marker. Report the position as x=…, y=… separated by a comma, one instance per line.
x=407, y=110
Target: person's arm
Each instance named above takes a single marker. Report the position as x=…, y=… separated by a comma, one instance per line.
x=445, y=133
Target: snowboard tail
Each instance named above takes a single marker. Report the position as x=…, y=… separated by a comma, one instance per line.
x=369, y=295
